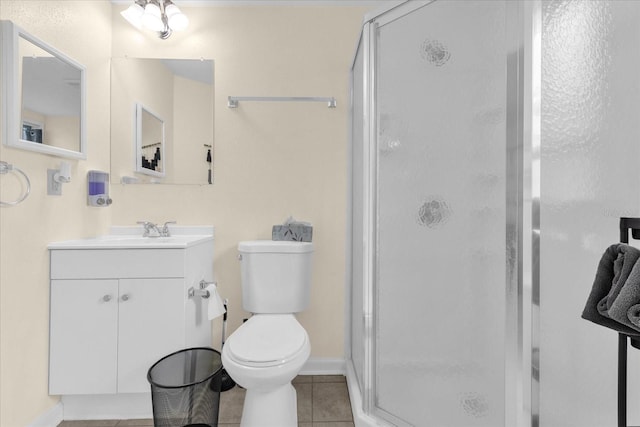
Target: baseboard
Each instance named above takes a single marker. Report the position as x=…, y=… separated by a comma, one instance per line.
x=51, y=418
x=360, y=419
x=324, y=366
x=107, y=406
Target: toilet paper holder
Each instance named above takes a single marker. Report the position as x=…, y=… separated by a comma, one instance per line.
x=202, y=292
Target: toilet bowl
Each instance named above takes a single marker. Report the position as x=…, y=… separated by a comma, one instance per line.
x=263, y=356
x=269, y=350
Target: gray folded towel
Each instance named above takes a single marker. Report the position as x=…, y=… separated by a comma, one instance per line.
x=625, y=307
x=634, y=315
x=613, y=272
x=625, y=261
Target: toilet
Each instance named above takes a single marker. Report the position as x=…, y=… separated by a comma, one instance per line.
x=269, y=350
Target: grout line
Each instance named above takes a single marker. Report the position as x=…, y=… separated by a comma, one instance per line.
x=312, y=382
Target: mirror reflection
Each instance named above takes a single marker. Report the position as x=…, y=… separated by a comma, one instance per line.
x=150, y=142
x=51, y=98
x=161, y=120
x=44, y=96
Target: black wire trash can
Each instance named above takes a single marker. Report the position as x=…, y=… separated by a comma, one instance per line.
x=185, y=388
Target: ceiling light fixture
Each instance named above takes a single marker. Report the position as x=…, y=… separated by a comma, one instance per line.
x=161, y=16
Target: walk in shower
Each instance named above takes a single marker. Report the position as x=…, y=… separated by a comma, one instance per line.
x=460, y=303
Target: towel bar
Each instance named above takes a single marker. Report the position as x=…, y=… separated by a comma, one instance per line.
x=233, y=100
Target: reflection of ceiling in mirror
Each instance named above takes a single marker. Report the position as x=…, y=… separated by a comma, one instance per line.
x=201, y=71
x=50, y=86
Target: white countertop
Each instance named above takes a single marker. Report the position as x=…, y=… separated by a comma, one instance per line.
x=130, y=237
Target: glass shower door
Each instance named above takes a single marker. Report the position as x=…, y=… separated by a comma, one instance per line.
x=442, y=206
x=357, y=211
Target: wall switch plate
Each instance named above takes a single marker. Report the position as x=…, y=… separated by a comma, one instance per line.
x=54, y=188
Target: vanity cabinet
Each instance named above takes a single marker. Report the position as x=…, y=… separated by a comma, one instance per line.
x=115, y=312
x=151, y=324
x=83, y=337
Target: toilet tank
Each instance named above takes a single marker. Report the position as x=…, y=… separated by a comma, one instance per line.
x=275, y=275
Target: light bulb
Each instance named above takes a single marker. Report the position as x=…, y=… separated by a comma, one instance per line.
x=152, y=18
x=177, y=20
x=133, y=14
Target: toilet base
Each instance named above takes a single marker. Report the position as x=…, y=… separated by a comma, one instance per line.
x=270, y=408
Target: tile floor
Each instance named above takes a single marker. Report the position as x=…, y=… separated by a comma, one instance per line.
x=323, y=401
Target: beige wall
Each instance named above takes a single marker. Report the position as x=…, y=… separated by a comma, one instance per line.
x=270, y=161
x=26, y=229
x=192, y=129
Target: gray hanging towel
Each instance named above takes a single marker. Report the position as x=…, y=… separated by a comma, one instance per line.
x=614, y=269
x=625, y=307
x=633, y=314
x=625, y=260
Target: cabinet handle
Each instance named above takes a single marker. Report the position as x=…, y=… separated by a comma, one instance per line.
x=106, y=298
x=125, y=297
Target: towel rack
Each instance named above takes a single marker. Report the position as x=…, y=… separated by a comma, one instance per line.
x=626, y=224
x=6, y=168
x=233, y=100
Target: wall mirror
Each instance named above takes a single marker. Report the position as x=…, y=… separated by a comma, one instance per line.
x=44, y=93
x=149, y=142
x=161, y=120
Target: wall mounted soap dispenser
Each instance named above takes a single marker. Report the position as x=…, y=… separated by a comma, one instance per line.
x=98, y=189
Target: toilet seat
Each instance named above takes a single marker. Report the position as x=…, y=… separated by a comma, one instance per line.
x=267, y=340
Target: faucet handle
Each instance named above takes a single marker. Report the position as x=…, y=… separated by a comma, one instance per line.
x=165, y=228
x=147, y=227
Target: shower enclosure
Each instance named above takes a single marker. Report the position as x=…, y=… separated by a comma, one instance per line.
x=441, y=201
x=495, y=146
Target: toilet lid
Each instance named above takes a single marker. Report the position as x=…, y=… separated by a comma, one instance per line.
x=267, y=339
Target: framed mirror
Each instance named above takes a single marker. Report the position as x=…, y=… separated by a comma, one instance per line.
x=149, y=94
x=44, y=95
x=149, y=142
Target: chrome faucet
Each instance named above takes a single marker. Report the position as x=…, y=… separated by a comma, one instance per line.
x=150, y=229
x=165, y=229
x=153, y=230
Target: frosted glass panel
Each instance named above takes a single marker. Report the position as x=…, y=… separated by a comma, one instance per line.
x=441, y=244
x=589, y=178
x=357, y=153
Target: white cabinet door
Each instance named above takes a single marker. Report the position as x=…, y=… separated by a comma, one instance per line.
x=83, y=336
x=151, y=325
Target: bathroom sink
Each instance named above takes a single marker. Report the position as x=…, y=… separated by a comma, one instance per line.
x=124, y=238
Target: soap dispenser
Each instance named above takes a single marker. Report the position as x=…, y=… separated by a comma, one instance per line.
x=98, y=189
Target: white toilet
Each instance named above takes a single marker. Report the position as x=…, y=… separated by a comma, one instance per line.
x=267, y=351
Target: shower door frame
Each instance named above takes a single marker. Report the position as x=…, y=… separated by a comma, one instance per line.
x=522, y=374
